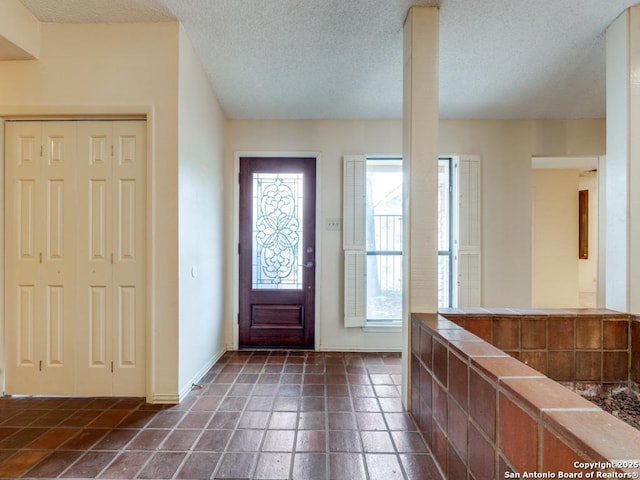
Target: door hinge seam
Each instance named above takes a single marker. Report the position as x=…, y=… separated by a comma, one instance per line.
x=111, y=367
x=40, y=367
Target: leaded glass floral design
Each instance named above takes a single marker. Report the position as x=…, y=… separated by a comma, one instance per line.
x=277, y=231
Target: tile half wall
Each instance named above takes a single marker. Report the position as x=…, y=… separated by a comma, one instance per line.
x=486, y=414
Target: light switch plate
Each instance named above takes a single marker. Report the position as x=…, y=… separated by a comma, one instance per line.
x=333, y=224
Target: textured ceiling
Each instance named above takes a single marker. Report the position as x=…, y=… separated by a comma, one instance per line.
x=99, y=11
x=343, y=58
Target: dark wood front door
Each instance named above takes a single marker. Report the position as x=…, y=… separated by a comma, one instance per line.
x=277, y=252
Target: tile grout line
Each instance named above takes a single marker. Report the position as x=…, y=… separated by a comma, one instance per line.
x=294, y=449
x=327, y=454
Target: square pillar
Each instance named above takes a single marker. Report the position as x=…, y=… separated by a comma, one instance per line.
x=420, y=169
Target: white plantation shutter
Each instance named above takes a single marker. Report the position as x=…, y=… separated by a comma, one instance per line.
x=354, y=240
x=469, y=232
x=469, y=279
x=354, y=202
x=355, y=288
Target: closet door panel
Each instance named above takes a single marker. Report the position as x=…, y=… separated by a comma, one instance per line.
x=127, y=221
x=98, y=323
x=21, y=194
x=96, y=217
x=24, y=219
x=55, y=220
x=129, y=227
x=94, y=306
x=22, y=156
x=26, y=355
x=58, y=266
x=127, y=348
x=40, y=277
x=56, y=326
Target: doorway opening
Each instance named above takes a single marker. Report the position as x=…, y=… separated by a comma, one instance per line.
x=565, y=232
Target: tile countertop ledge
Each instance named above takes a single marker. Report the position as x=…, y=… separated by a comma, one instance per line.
x=580, y=424
x=542, y=312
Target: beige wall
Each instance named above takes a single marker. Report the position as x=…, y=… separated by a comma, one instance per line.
x=506, y=148
x=201, y=189
x=120, y=68
x=332, y=140
x=555, y=282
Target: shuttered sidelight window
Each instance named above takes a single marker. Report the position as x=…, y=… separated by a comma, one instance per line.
x=466, y=210
x=355, y=288
x=354, y=240
x=468, y=235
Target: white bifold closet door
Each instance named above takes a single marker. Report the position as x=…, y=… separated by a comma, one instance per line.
x=75, y=237
x=111, y=252
x=40, y=258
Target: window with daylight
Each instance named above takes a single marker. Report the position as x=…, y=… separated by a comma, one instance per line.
x=372, y=237
x=445, y=253
x=384, y=239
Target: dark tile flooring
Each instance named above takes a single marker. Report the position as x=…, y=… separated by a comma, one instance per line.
x=260, y=415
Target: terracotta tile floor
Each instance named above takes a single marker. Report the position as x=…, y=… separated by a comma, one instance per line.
x=259, y=415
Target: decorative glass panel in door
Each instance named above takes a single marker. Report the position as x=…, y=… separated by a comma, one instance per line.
x=277, y=230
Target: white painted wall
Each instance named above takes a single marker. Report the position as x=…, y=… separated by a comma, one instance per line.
x=633, y=178
x=201, y=189
x=623, y=156
x=120, y=68
x=616, y=191
x=2, y=348
x=555, y=282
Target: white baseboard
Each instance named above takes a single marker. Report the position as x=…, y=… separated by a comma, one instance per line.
x=329, y=348
x=170, y=398
x=165, y=398
x=354, y=349
x=200, y=373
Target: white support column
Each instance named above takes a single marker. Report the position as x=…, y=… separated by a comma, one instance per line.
x=420, y=168
x=622, y=252
x=2, y=266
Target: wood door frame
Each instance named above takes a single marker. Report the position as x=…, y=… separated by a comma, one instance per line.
x=236, y=237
